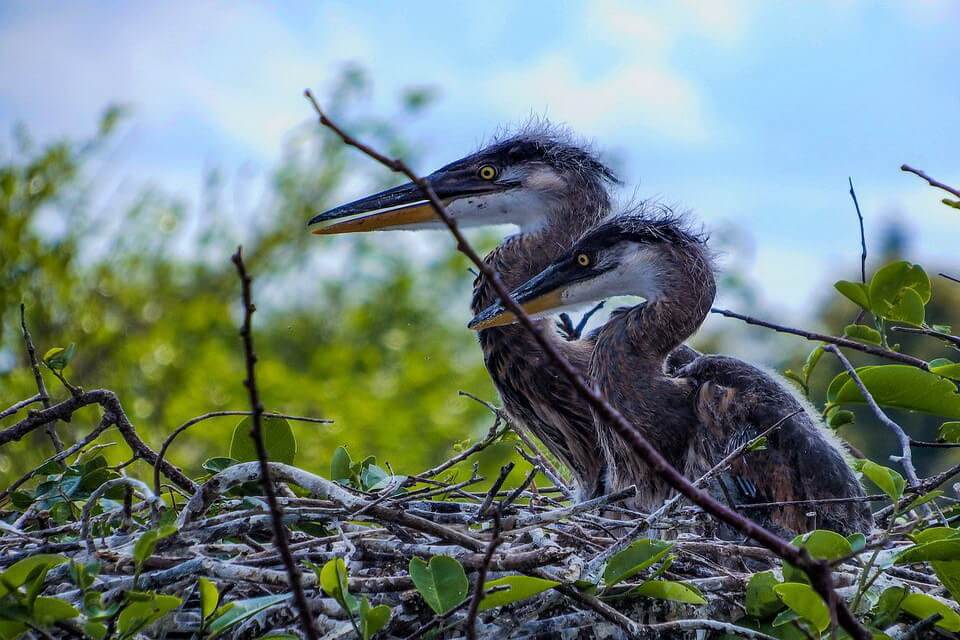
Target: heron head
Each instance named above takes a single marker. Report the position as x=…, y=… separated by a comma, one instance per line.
x=517, y=180
x=639, y=254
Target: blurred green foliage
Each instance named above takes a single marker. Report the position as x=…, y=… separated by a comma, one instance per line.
x=348, y=328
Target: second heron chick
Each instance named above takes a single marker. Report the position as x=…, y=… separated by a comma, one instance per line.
x=715, y=403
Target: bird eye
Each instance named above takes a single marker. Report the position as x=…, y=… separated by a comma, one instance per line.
x=488, y=172
x=583, y=260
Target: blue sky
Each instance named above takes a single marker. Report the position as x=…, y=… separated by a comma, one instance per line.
x=752, y=114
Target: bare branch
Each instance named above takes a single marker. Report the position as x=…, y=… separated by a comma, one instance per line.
x=822, y=337
x=51, y=428
x=906, y=457
x=930, y=181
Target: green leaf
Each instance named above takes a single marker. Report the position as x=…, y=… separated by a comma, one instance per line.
x=58, y=358
x=949, y=432
x=837, y=417
x=804, y=601
x=340, y=465
x=47, y=611
x=217, y=464
x=854, y=291
x=520, y=588
x=887, y=609
x=946, y=550
x=442, y=583
x=639, y=556
x=761, y=601
x=21, y=571
x=949, y=370
x=372, y=476
x=920, y=605
x=822, y=545
x=209, y=597
x=899, y=292
x=858, y=542
x=143, y=610
x=278, y=439
x=147, y=542
x=669, y=590
x=948, y=572
x=333, y=579
x=239, y=610
x=951, y=203
x=96, y=630
x=863, y=333
x=924, y=499
x=900, y=386
x=886, y=479
x=372, y=619
x=757, y=444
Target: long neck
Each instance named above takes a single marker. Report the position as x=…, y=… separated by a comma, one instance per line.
x=524, y=255
x=657, y=327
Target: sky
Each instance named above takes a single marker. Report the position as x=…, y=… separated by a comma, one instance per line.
x=750, y=114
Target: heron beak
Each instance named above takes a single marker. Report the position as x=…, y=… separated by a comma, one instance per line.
x=540, y=294
x=402, y=207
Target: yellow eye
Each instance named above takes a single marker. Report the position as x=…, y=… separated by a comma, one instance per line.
x=583, y=260
x=488, y=172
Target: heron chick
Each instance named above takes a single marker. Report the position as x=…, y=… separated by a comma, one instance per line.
x=714, y=404
x=553, y=188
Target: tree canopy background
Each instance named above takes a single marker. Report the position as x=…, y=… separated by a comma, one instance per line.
x=147, y=292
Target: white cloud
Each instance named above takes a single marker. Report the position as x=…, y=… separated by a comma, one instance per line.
x=640, y=96
x=239, y=70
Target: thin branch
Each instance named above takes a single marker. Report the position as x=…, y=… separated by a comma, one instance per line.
x=495, y=541
x=17, y=406
x=950, y=278
x=106, y=422
x=946, y=337
x=818, y=571
x=276, y=515
x=494, y=488
x=216, y=414
x=822, y=337
x=906, y=457
x=930, y=181
x=51, y=428
x=111, y=405
x=863, y=238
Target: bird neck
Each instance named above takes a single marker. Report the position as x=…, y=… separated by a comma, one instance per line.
x=523, y=255
x=655, y=328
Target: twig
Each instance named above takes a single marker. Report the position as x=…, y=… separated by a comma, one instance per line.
x=930, y=181
x=906, y=457
x=950, y=278
x=106, y=422
x=51, y=428
x=822, y=337
x=509, y=500
x=276, y=515
x=863, y=238
x=495, y=541
x=111, y=404
x=916, y=630
x=15, y=407
x=933, y=333
x=494, y=488
x=216, y=414
x=818, y=571
x=152, y=500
